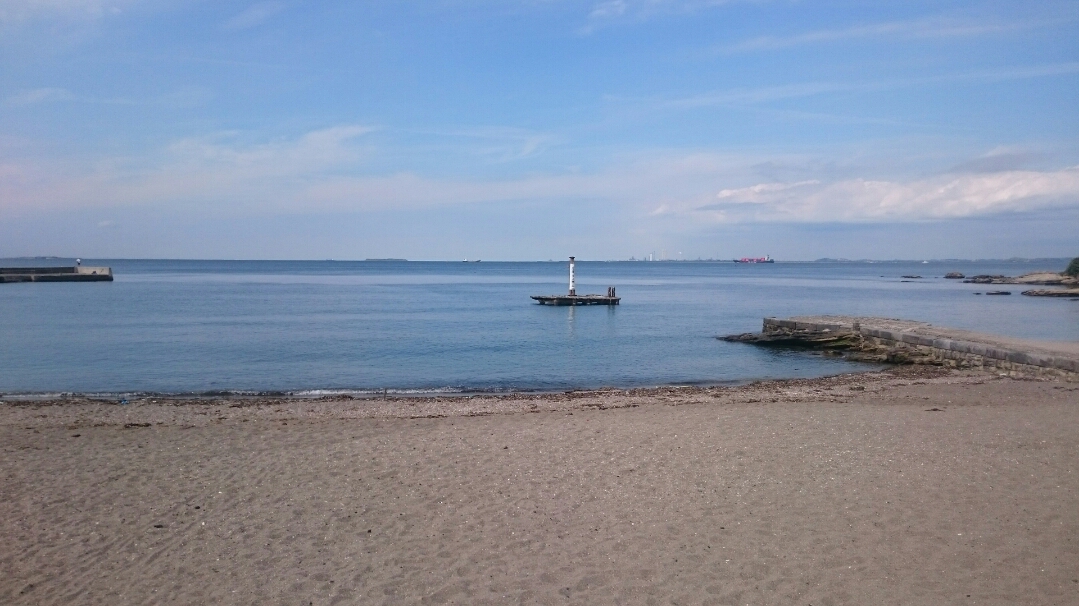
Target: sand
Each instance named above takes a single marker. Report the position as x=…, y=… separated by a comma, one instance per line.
x=912, y=486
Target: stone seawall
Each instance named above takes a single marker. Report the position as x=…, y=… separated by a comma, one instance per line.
x=901, y=341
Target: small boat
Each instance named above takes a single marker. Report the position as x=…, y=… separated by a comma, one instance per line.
x=764, y=259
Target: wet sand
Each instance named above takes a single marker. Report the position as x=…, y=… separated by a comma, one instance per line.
x=911, y=486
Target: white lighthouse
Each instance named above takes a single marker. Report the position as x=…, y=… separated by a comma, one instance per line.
x=572, y=281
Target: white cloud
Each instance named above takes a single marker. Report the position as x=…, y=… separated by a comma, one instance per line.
x=950, y=196
x=758, y=193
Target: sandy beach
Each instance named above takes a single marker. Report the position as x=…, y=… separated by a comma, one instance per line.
x=908, y=486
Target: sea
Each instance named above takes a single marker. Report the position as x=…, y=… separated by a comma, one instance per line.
x=314, y=328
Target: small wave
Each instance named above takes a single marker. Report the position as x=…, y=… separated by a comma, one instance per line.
x=319, y=393
x=454, y=390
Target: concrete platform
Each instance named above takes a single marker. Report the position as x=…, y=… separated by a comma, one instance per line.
x=55, y=274
x=905, y=341
x=576, y=300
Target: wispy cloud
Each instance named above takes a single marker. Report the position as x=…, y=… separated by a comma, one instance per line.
x=254, y=15
x=608, y=9
x=186, y=97
x=999, y=160
x=500, y=143
x=749, y=96
x=18, y=11
x=925, y=28
x=328, y=171
x=195, y=170
x=606, y=12
x=39, y=95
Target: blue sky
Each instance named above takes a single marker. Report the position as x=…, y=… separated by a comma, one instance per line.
x=536, y=129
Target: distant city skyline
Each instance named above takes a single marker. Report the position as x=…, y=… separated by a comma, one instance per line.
x=527, y=129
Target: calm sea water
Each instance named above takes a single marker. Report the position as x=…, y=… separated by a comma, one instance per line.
x=210, y=326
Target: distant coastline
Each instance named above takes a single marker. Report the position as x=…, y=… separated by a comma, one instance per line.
x=1063, y=261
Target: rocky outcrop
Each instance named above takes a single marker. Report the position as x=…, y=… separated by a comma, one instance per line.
x=1042, y=278
x=809, y=338
x=954, y=275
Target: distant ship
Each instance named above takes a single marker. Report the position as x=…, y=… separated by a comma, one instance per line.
x=764, y=259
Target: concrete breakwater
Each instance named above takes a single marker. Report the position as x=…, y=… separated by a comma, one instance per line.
x=909, y=342
x=55, y=274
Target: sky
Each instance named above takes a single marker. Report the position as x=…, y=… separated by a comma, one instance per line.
x=539, y=129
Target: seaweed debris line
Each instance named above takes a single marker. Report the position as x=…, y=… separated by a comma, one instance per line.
x=907, y=342
x=575, y=299
x=55, y=274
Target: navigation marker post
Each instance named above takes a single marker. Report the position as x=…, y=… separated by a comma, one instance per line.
x=575, y=299
x=572, y=284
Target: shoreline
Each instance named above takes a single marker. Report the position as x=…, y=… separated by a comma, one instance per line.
x=170, y=410
x=403, y=394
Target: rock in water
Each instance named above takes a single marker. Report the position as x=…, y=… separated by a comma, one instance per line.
x=954, y=275
x=1051, y=293
x=984, y=279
